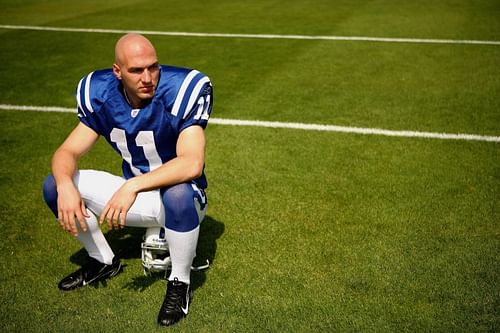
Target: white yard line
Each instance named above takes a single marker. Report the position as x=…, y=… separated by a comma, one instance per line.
x=258, y=36
x=301, y=126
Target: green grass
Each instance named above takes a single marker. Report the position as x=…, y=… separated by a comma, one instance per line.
x=306, y=231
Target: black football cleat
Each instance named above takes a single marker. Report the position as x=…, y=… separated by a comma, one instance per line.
x=93, y=271
x=176, y=303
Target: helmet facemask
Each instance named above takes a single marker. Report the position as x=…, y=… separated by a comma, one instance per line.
x=154, y=251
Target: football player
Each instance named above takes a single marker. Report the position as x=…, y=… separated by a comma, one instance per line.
x=154, y=116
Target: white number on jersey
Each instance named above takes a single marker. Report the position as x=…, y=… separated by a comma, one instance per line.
x=145, y=140
x=203, y=105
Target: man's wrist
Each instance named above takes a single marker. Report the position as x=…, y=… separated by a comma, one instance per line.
x=64, y=183
x=134, y=184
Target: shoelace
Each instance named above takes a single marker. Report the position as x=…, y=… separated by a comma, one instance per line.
x=175, y=292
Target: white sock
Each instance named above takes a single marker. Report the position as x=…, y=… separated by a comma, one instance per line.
x=182, y=247
x=94, y=241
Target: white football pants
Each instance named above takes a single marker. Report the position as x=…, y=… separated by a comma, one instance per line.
x=96, y=189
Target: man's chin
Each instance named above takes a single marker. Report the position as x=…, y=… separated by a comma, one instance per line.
x=146, y=96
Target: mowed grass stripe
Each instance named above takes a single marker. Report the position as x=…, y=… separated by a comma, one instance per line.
x=301, y=126
x=259, y=36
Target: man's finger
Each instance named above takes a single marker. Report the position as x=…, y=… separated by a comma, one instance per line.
x=64, y=221
x=84, y=210
x=115, y=218
x=104, y=212
x=60, y=218
x=83, y=222
x=109, y=218
x=123, y=216
x=72, y=225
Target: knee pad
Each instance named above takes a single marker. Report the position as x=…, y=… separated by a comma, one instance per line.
x=50, y=193
x=185, y=206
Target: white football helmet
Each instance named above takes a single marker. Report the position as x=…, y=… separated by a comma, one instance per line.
x=154, y=251
x=155, y=255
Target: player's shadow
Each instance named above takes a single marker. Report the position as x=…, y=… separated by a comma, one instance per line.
x=126, y=244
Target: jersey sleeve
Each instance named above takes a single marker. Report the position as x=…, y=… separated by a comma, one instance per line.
x=194, y=100
x=89, y=100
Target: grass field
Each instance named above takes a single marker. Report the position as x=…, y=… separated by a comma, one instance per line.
x=307, y=231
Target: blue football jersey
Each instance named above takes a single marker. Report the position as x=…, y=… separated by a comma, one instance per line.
x=147, y=137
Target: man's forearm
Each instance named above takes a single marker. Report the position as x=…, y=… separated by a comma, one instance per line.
x=64, y=161
x=176, y=171
x=64, y=166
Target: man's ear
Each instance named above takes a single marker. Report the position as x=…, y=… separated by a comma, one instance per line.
x=117, y=71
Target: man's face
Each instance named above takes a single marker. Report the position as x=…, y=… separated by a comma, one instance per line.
x=139, y=74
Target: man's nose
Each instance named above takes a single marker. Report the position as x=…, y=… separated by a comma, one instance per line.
x=146, y=76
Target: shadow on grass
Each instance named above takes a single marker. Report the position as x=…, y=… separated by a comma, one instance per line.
x=126, y=243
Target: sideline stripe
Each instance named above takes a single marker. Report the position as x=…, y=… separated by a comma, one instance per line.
x=258, y=36
x=309, y=127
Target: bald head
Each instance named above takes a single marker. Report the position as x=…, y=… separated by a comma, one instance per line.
x=132, y=45
x=136, y=66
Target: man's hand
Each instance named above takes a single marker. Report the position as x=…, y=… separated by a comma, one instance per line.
x=70, y=206
x=115, y=211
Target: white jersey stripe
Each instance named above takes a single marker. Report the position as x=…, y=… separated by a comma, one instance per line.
x=194, y=95
x=88, y=104
x=78, y=98
x=182, y=91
